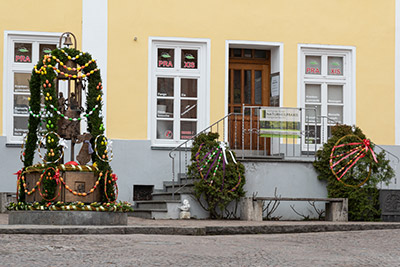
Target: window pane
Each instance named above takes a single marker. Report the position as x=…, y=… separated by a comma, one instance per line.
x=335, y=66
x=165, y=58
x=313, y=65
x=237, y=109
x=237, y=87
x=188, y=87
x=23, y=52
x=21, y=104
x=260, y=53
x=312, y=134
x=247, y=53
x=335, y=93
x=313, y=93
x=20, y=126
x=165, y=86
x=188, y=129
x=237, y=52
x=258, y=87
x=311, y=112
x=45, y=49
x=189, y=59
x=21, y=82
x=189, y=109
x=335, y=113
x=165, y=108
x=247, y=86
x=165, y=129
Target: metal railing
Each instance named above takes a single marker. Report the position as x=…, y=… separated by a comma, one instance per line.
x=242, y=133
x=183, y=152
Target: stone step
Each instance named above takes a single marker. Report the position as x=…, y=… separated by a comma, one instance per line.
x=187, y=189
x=154, y=204
x=147, y=213
x=189, y=182
x=165, y=196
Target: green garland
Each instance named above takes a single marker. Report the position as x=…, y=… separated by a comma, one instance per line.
x=43, y=80
x=74, y=206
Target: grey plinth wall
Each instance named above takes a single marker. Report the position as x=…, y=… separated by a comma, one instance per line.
x=251, y=210
x=390, y=205
x=337, y=211
x=67, y=218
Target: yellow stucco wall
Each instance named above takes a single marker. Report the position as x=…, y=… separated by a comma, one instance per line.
x=367, y=25
x=37, y=16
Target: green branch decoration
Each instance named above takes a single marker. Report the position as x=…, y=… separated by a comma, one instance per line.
x=45, y=123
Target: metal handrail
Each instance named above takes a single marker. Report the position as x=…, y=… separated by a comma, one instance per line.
x=179, y=148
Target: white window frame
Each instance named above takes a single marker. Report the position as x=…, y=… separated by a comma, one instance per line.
x=9, y=67
x=201, y=73
x=347, y=80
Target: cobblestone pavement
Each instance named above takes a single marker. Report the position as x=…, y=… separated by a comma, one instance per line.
x=358, y=248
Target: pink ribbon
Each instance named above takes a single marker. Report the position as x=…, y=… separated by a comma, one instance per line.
x=366, y=148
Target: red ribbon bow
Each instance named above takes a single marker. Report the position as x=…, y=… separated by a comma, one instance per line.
x=114, y=177
x=18, y=173
x=367, y=146
x=57, y=176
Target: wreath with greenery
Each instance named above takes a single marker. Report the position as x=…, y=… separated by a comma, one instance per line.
x=43, y=83
x=217, y=183
x=363, y=194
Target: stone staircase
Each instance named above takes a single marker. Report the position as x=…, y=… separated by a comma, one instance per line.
x=164, y=204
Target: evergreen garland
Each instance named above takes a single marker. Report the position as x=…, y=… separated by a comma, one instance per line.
x=216, y=192
x=43, y=80
x=364, y=200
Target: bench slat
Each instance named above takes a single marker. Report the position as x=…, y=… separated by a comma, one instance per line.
x=300, y=199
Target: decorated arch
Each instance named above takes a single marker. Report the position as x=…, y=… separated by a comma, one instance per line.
x=47, y=113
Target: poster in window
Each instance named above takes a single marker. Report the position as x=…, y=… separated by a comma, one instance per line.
x=278, y=122
x=188, y=129
x=21, y=104
x=45, y=49
x=23, y=52
x=166, y=58
x=313, y=65
x=189, y=59
x=21, y=82
x=275, y=90
x=335, y=66
x=20, y=126
x=165, y=108
x=165, y=129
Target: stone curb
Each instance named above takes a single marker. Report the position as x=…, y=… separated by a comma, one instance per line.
x=199, y=231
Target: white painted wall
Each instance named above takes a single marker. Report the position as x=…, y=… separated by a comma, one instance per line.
x=94, y=39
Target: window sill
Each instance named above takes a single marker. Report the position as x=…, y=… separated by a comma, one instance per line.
x=168, y=148
x=14, y=145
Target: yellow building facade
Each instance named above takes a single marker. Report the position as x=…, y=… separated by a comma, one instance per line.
x=172, y=68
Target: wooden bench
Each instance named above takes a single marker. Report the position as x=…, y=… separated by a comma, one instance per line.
x=336, y=209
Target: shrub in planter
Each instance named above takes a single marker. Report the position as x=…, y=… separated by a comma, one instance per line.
x=364, y=199
x=217, y=184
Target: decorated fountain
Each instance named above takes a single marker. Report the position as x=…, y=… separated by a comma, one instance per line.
x=58, y=85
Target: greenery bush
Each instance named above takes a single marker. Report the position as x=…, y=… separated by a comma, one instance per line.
x=216, y=192
x=363, y=200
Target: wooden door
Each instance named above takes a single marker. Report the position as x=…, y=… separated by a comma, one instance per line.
x=248, y=85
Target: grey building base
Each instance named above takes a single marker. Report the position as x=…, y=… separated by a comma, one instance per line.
x=67, y=218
